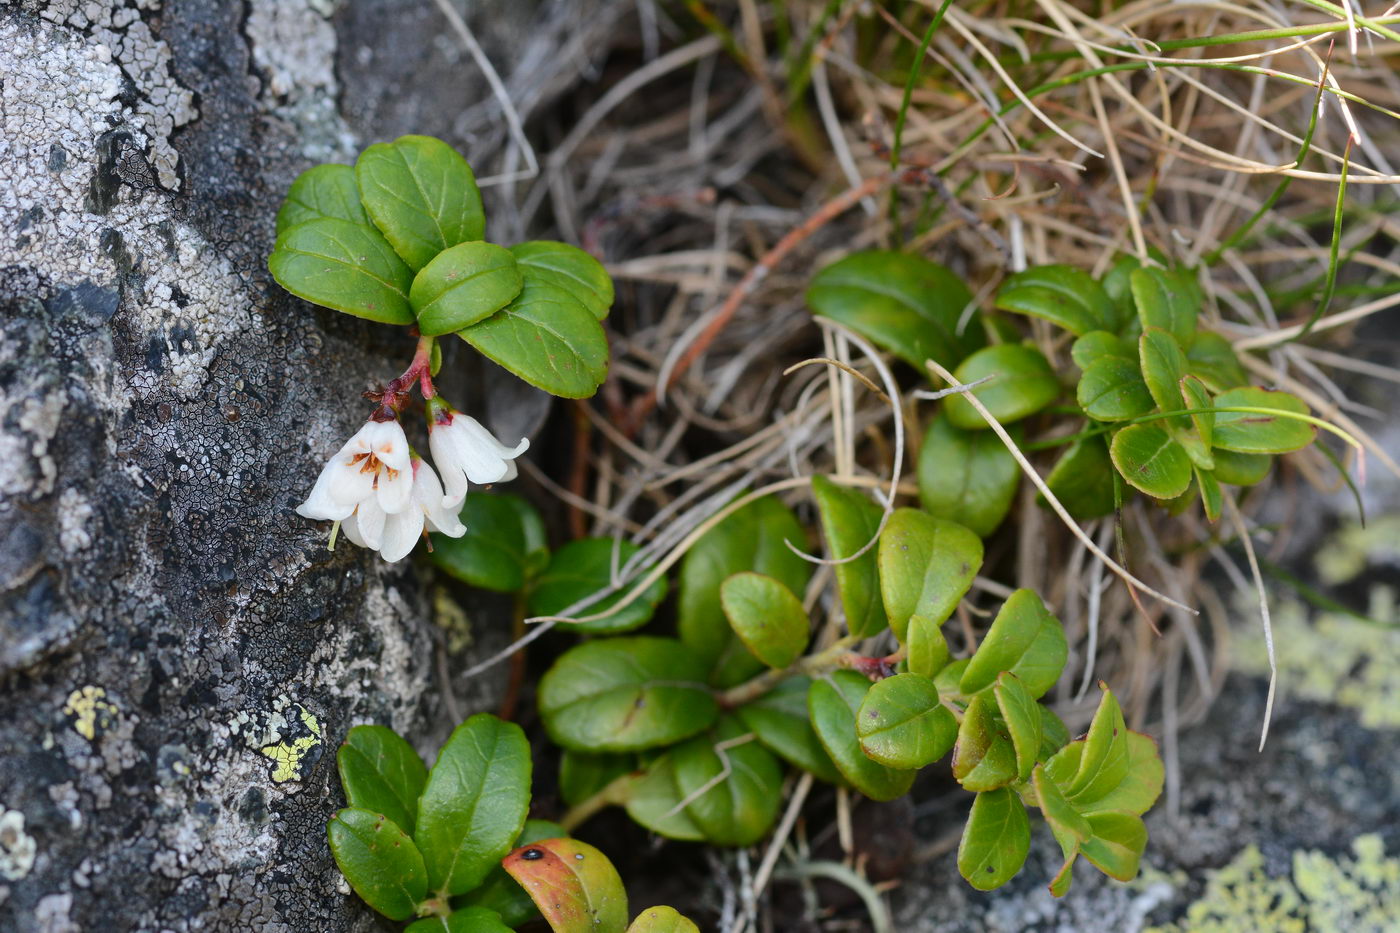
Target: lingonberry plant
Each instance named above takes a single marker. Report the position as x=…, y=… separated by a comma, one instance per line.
x=398, y=239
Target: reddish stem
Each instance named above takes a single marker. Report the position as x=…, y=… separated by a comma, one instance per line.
x=396, y=393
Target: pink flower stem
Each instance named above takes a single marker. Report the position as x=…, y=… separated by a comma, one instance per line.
x=396, y=393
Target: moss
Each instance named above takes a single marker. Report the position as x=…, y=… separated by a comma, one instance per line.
x=1322, y=895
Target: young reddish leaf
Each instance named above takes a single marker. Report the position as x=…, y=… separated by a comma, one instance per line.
x=766, y=616
x=1024, y=639
x=927, y=650
x=833, y=703
x=983, y=758
x=661, y=920
x=995, y=840
x=1022, y=384
x=926, y=565
x=902, y=724
x=379, y=860
x=500, y=893
x=849, y=521
x=574, y=885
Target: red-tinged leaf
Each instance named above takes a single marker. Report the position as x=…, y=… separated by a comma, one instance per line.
x=574, y=885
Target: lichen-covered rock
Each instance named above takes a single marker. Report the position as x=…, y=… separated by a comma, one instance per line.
x=179, y=652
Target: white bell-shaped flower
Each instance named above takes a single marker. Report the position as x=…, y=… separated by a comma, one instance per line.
x=394, y=535
x=466, y=452
x=373, y=466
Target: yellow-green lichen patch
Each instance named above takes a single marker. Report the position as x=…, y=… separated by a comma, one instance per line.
x=1335, y=658
x=1350, y=551
x=1323, y=895
x=288, y=755
x=17, y=847
x=90, y=711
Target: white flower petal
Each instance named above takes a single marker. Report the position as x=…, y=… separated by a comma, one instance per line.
x=395, y=491
x=401, y=533
x=370, y=519
x=319, y=505
x=351, y=529
x=387, y=442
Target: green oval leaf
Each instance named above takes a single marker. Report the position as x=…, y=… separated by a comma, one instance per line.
x=421, y=194
x=625, y=694
x=969, y=477
x=345, y=266
x=1021, y=714
x=1212, y=501
x=1117, y=844
x=995, y=840
x=849, y=521
x=752, y=538
x=464, y=920
x=1024, y=639
x=766, y=616
x=833, y=703
x=902, y=303
x=462, y=285
x=1253, y=433
x=1195, y=395
x=1240, y=469
x=571, y=269
x=547, y=337
x=1167, y=300
x=379, y=860
x=1082, y=479
x=380, y=772
x=1063, y=295
x=654, y=803
x=1064, y=819
x=927, y=650
x=661, y=920
x=1163, y=366
x=926, y=564
x=503, y=548
x=1151, y=460
x=322, y=191
x=1112, y=389
x=474, y=803
x=581, y=775
x=1022, y=384
x=780, y=720
x=733, y=787
x=574, y=885
x=1097, y=345
x=583, y=567
x=499, y=893
x=1213, y=359
x=903, y=724
x=983, y=757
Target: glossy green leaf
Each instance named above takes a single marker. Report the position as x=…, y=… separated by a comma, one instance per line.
x=582, y=774
x=1022, y=384
x=780, y=720
x=504, y=546
x=1117, y=844
x=926, y=565
x=969, y=477
x=903, y=303
x=1117, y=284
x=547, y=337
x=1021, y=714
x=1024, y=639
x=583, y=567
x=849, y=521
x=766, y=616
x=1063, y=295
x=463, y=920
x=1213, y=360
x=1163, y=366
x=1240, y=469
x=571, y=269
x=833, y=702
x=500, y=893
x=1054, y=735
x=574, y=885
x=1098, y=344
x=1212, y=500
x=750, y=539
x=1166, y=299
x=1151, y=460
x=1254, y=433
x=625, y=694
x=381, y=773
x=474, y=803
x=903, y=724
x=948, y=679
x=1195, y=395
x=322, y=191
x=1082, y=479
x=733, y=790
x=926, y=648
x=654, y=803
x=1105, y=757
x=462, y=285
x=1112, y=389
x=983, y=758
x=1059, y=812
x=345, y=266
x=995, y=840
x=1136, y=792
x=661, y=920
x=379, y=860
x=421, y=194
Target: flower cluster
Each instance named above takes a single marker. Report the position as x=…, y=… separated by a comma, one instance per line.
x=385, y=496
